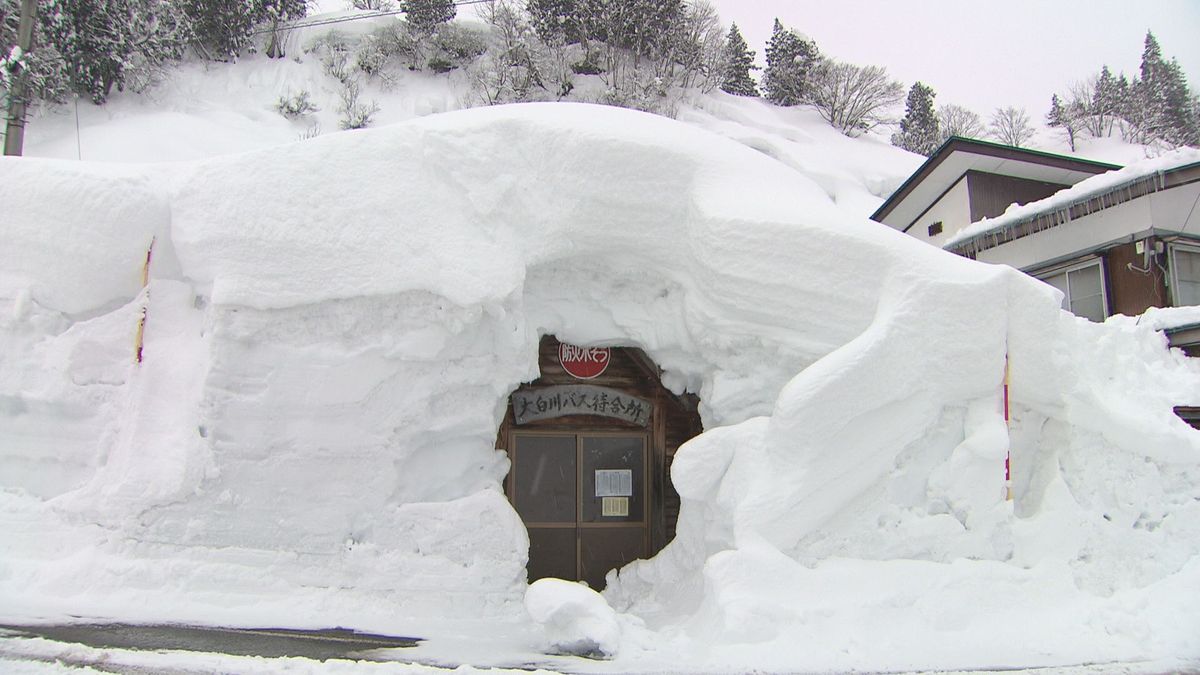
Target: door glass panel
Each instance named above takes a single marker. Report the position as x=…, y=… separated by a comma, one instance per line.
x=551, y=553
x=613, y=484
x=544, y=489
x=608, y=548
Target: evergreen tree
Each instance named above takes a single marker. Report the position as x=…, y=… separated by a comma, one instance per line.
x=640, y=26
x=102, y=41
x=1161, y=106
x=919, y=130
x=222, y=28
x=738, y=62
x=1179, y=107
x=1107, y=102
x=791, y=65
x=554, y=21
x=42, y=71
x=426, y=15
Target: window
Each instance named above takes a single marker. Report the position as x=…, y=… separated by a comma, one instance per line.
x=1083, y=289
x=935, y=229
x=1185, y=276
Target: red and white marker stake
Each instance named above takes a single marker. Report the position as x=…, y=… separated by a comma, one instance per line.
x=141, y=329
x=1008, y=491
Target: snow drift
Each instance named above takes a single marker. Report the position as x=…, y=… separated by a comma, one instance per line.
x=332, y=329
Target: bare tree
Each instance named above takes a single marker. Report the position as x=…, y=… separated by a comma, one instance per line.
x=1010, y=126
x=855, y=99
x=693, y=57
x=508, y=71
x=955, y=120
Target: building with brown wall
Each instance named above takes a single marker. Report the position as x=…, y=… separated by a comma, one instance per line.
x=1113, y=245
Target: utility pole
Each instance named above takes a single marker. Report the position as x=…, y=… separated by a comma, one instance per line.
x=14, y=132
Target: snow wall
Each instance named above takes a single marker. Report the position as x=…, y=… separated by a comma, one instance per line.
x=332, y=329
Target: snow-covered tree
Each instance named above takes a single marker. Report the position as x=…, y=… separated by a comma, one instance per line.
x=1011, y=126
x=509, y=71
x=854, y=99
x=42, y=70
x=1099, y=103
x=1066, y=117
x=222, y=28
x=792, y=62
x=1161, y=106
x=955, y=120
x=426, y=15
x=554, y=21
x=694, y=53
x=103, y=44
x=919, y=128
x=737, y=63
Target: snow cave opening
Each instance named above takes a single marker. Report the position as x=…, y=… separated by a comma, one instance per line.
x=590, y=444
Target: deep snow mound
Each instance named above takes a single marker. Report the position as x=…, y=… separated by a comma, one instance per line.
x=332, y=329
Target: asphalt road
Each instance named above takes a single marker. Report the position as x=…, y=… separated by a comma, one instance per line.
x=335, y=643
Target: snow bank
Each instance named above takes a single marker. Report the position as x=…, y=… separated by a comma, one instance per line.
x=575, y=619
x=333, y=328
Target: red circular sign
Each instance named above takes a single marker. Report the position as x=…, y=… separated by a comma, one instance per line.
x=584, y=363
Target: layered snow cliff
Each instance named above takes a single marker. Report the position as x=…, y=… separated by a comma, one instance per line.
x=332, y=328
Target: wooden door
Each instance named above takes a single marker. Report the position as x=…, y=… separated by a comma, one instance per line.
x=584, y=500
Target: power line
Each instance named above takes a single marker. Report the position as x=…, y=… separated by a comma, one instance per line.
x=344, y=19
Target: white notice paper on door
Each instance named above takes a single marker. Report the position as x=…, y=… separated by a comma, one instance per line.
x=614, y=482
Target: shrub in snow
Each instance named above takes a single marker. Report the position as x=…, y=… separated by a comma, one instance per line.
x=372, y=56
x=459, y=44
x=575, y=619
x=295, y=105
x=312, y=131
x=450, y=46
x=335, y=62
x=378, y=51
x=355, y=114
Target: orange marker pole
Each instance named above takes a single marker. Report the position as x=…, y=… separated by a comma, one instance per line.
x=141, y=329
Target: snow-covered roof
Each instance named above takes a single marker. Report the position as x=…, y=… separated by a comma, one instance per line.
x=959, y=155
x=1137, y=179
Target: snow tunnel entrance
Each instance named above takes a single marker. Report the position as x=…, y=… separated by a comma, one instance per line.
x=591, y=443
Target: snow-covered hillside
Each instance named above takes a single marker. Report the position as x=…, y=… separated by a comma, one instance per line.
x=332, y=327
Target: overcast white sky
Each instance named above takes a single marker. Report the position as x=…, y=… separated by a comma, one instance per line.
x=983, y=55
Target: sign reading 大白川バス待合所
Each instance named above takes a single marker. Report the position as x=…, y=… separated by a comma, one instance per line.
x=530, y=405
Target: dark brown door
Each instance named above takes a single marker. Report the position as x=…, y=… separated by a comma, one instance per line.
x=583, y=500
